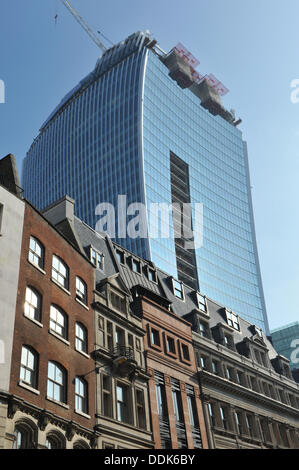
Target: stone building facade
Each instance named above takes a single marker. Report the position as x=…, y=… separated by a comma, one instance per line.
x=11, y=226
x=249, y=396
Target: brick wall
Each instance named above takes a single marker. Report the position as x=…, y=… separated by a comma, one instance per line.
x=48, y=346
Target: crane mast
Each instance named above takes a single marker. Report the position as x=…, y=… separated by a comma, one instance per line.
x=84, y=25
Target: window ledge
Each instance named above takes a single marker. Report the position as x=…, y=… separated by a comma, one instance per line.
x=202, y=313
x=82, y=303
x=36, y=267
x=61, y=287
x=28, y=387
x=59, y=337
x=171, y=354
x=83, y=353
x=33, y=320
x=58, y=403
x=156, y=347
x=129, y=426
x=187, y=362
x=78, y=412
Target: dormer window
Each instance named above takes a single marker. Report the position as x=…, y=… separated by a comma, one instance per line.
x=151, y=273
x=136, y=266
x=178, y=289
x=259, y=332
x=204, y=329
x=233, y=320
x=97, y=259
x=201, y=300
x=228, y=341
x=120, y=256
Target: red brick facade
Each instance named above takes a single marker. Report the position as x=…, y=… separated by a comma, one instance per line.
x=48, y=346
x=173, y=365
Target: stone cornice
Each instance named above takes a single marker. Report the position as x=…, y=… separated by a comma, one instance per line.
x=236, y=389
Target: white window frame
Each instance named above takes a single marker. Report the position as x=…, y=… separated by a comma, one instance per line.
x=81, y=395
x=56, y=384
x=81, y=290
x=233, y=320
x=56, y=323
x=97, y=258
x=34, y=256
x=27, y=368
x=123, y=405
x=202, y=302
x=176, y=289
x=60, y=274
x=79, y=340
x=32, y=306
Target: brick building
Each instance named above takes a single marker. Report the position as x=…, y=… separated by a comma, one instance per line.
x=236, y=393
x=176, y=409
x=100, y=349
x=50, y=400
x=122, y=408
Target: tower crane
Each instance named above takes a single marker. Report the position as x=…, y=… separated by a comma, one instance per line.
x=84, y=25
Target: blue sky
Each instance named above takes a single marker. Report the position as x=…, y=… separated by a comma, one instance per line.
x=251, y=45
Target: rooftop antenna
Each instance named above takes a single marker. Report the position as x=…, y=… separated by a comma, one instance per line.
x=84, y=25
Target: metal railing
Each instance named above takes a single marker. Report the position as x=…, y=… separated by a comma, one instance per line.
x=124, y=351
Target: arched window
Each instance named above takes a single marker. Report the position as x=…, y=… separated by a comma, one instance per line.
x=29, y=366
x=81, y=290
x=81, y=445
x=55, y=440
x=33, y=303
x=81, y=395
x=81, y=338
x=60, y=272
x=56, y=389
x=58, y=321
x=25, y=435
x=36, y=252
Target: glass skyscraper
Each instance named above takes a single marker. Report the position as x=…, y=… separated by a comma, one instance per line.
x=135, y=127
x=286, y=342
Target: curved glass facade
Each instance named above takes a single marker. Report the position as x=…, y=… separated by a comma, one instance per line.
x=174, y=121
x=114, y=133
x=89, y=148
